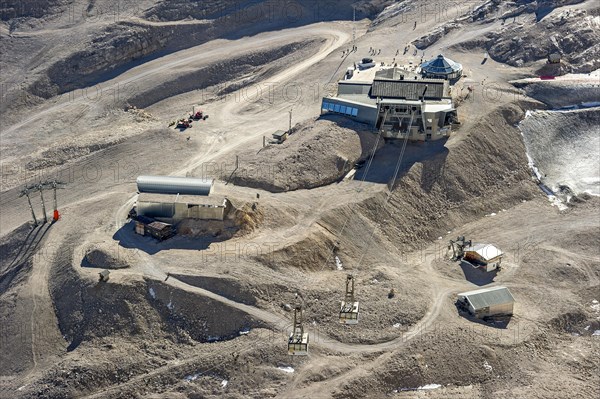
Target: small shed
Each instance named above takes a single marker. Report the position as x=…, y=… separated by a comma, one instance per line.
x=487, y=302
x=280, y=136
x=486, y=256
x=104, y=276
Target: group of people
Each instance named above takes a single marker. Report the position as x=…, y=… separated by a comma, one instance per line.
x=348, y=51
x=373, y=51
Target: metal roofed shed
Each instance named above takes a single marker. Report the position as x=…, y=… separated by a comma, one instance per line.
x=441, y=68
x=487, y=302
x=486, y=256
x=174, y=185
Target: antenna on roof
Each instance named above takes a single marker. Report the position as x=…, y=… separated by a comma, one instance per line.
x=354, y=26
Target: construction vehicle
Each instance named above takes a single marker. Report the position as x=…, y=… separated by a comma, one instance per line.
x=458, y=247
x=184, y=124
x=298, y=341
x=197, y=116
x=349, y=308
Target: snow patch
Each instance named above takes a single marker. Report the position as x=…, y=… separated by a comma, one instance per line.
x=338, y=264
x=596, y=333
x=170, y=305
x=224, y=383
x=286, y=369
x=193, y=377
x=397, y=325
x=429, y=386
x=152, y=293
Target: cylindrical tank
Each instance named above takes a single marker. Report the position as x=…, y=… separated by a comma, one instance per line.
x=174, y=185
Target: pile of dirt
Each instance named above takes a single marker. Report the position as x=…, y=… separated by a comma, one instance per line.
x=87, y=309
x=101, y=258
x=317, y=153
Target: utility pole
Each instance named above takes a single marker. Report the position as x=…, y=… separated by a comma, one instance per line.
x=25, y=192
x=354, y=26
x=290, y=130
x=41, y=188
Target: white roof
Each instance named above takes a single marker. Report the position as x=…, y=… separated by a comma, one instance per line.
x=486, y=251
x=437, y=107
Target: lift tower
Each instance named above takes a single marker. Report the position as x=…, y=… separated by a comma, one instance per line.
x=349, y=308
x=53, y=184
x=298, y=341
x=25, y=192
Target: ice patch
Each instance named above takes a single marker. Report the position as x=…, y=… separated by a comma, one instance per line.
x=338, y=264
x=286, y=369
x=152, y=293
x=224, y=383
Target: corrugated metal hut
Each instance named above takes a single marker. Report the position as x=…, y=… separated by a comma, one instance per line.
x=486, y=302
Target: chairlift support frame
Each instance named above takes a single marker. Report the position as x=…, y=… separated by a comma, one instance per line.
x=298, y=341
x=349, y=308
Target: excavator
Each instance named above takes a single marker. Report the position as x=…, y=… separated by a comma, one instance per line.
x=458, y=247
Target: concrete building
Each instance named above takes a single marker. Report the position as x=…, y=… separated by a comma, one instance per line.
x=280, y=136
x=487, y=302
x=486, y=256
x=172, y=199
x=441, y=68
x=397, y=102
x=173, y=208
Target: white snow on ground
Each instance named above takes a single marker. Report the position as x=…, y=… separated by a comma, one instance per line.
x=429, y=386
x=562, y=149
x=338, y=264
x=193, y=377
x=224, y=383
x=244, y=332
x=170, y=305
x=595, y=306
x=152, y=293
x=596, y=333
x=286, y=369
x=397, y=325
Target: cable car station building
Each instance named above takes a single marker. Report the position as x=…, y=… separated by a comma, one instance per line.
x=397, y=102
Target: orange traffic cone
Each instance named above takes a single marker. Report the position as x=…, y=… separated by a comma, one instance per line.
x=56, y=215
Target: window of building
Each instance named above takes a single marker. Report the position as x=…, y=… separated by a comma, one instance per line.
x=354, y=111
x=336, y=108
x=331, y=106
x=342, y=109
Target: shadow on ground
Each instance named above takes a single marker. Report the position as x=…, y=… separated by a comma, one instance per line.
x=477, y=275
x=387, y=160
x=127, y=238
x=499, y=322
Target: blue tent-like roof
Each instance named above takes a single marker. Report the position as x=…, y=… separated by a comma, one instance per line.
x=441, y=66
